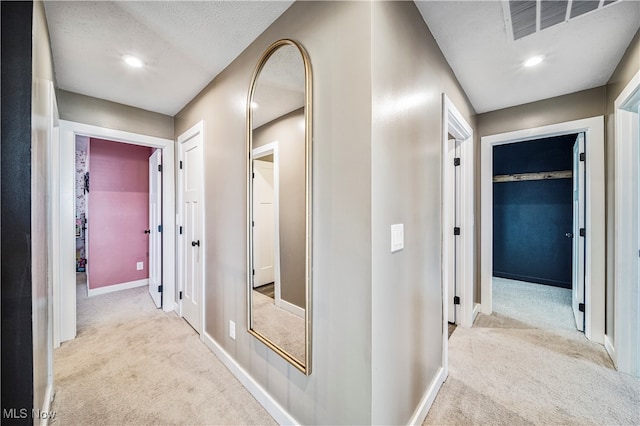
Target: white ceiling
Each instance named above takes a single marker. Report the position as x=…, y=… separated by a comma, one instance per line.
x=579, y=54
x=186, y=44
x=280, y=86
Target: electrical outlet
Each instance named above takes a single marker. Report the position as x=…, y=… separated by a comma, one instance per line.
x=232, y=330
x=140, y=266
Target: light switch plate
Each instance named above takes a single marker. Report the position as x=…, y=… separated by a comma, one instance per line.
x=140, y=266
x=397, y=237
x=232, y=330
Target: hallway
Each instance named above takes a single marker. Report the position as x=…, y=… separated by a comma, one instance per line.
x=502, y=371
x=134, y=364
x=527, y=364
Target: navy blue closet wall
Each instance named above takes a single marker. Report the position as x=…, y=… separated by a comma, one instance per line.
x=531, y=218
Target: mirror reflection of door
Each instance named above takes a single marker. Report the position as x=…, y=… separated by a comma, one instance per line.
x=264, y=222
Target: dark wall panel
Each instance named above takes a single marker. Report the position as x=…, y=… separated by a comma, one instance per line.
x=531, y=218
x=15, y=219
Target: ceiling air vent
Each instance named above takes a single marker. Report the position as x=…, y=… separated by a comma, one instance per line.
x=524, y=18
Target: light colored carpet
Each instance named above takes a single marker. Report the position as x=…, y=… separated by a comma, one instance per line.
x=507, y=371
x=134, y=364
x=537, y=305
x=281, y=327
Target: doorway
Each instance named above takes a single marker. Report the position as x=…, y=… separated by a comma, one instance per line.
x=266, y=229
x=112, y=215
x=594, y=240
x=64, y=241
x=458, y=239
x=538, y=254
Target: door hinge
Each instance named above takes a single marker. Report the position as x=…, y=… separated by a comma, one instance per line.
x=583, y=232
x=180, y=295
x=456, y=300
x=253, y=223
x=253, y=271
x=181, y=230
x=581, y=307
x=181, y=165
x=160, y=168
x=582, y=156
x=456, y=231
x=160, y=289
x=456, y=161
x=253, y=175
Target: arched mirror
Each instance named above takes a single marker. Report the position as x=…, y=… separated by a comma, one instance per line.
x=279, y=202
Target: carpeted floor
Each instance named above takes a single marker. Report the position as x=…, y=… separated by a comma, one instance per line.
x=531, y=370
x=267, y=290
x=504, y=370
x=122, y=370
x=281, y=327
x=451, y=328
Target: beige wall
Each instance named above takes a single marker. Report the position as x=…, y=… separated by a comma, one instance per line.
x=584, y=104
x=291, y=161
x=376, y=161
x=111, y=115
x=42, y=115
x=337, y=36
x=625, y=70
x=409, y=75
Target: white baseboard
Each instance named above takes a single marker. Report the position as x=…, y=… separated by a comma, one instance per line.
x=46, y=406
x=280, y=415
x=116, y=287
x=476, y=310
x=610, y=350
x=427, y=400
x=290, y=307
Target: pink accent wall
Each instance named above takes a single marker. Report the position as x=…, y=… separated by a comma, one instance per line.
x=118, y=213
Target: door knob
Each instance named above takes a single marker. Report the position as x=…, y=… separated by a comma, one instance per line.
x=195, y=243
x=568, y=235
x=147, y=231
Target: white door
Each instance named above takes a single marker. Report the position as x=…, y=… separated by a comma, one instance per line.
x=263, y=223
x=155, y=230
x=456, y=247
x=578, y=232
x=191, y=237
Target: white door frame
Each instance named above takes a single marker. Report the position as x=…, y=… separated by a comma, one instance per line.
x=195, y=131
x=64, y=178
x=626, y=274
x=454, y=123
x=256, y=154
x=595, y=241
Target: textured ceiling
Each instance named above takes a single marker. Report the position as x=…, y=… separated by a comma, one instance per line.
x=184, y=45
x=579, y=54
x=280, y=86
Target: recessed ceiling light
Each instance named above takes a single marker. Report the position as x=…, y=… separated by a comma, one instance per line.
x=254, y=105
x=133, y=61
x=533, y=61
